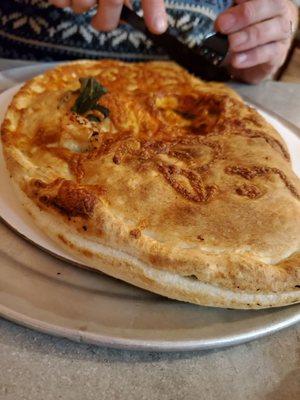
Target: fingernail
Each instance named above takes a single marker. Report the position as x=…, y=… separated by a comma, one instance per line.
x=241, y=58
x=160, y=24
x=227, y=21
x=239, y=39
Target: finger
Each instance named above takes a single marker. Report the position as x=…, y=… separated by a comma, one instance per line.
x=240, y=1
x=81, y=6
x=268, y=31
x=155, y=15
x=273, y=52
x=249, y=13
x=255, y=74
x=61, y=3
x=108, y=15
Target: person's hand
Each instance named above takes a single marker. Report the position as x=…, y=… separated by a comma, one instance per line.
x=109, y=11
x=260, y=33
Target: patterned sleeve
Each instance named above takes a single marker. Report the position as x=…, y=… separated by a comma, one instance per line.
x=35, y=30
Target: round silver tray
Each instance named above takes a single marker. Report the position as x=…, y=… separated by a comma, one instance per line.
x=48, y=293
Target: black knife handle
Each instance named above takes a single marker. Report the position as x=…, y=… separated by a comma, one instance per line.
x=191, y=59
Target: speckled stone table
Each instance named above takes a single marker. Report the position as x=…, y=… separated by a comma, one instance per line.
x=37, y=366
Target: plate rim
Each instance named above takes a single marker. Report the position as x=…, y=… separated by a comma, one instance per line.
x=119, y=342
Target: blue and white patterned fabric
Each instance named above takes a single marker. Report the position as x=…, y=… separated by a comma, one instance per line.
x=35, y=30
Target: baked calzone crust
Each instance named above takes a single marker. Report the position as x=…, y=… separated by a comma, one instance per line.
x=159, y=179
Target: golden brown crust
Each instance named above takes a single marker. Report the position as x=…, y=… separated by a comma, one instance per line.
x=182, y=177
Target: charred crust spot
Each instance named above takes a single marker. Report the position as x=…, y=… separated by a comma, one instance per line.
x=186, y=114
x=117, y=159
x=39, y=184
x=250, y=191
x=44, y=199
x=87, y=253
x=44, y=185
x=158, y=147
x=181, y=155
x=76, y=166
x=247, y=173
x=193, y=277
x=297, y=286
x=62, y=238
x=135, y=233
x=75, y=201
x=69, y=198
x=128, y=147
x=199, y=237
x=252, y=172
x=201, y=193
x=236, y=123
x=200, y=129
x=85, y=228
x=149, y=150
x=65, y=241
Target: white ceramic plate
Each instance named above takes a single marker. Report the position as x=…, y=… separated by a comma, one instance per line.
x=92, y=307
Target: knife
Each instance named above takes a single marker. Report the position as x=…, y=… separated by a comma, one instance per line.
x=204, y=61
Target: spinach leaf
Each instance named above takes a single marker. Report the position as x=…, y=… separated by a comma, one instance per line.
x=90, y=92
x=93, y=118
x=104, y=110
